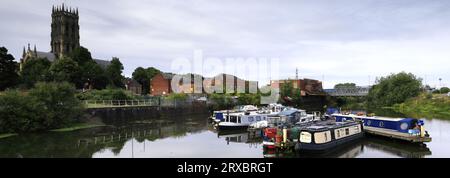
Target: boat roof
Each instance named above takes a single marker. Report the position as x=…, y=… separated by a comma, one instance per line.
x=328, y=125
x=374, y=117
x=289, y=112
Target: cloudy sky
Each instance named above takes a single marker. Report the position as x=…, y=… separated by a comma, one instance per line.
x=335, y=41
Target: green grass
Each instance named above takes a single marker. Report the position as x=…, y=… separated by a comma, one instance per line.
x=435, y=106
x=6, y=135
x=78, y=126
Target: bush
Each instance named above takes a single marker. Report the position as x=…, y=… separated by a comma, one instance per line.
x=61, y=107
x=177, y=96
x=444, y=90
x=46, y=106
x=108, y=94
x=393, y=89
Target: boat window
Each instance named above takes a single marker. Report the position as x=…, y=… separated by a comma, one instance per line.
x=305, y=137
x=303, y=114
x=369, y=122
x=322, y=137
x=233, y=119
x=338, y=134
x=347, y=131
x=250, y=119
x=258, y=118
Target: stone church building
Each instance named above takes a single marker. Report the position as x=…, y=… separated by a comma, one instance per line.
x=65, y=37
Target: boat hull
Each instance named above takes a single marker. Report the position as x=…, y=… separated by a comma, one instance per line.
x=224, y=126
x=327, y=146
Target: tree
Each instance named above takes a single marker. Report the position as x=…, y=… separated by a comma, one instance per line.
x=140, y=75
x=47, y=106
x=114, y=73
x=36, y=70
x=64, y=69
x=91, y=75
x=81, y=55
x=143, y=77
x=8, y=69
x=393, y=89
x=344, y=85
x=151, y=72
x=60, y=106
x=286, y=91
x=444, y=90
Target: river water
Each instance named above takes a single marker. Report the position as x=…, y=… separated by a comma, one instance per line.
x=192, y=136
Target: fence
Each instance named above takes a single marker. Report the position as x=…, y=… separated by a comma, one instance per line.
x=136, y=103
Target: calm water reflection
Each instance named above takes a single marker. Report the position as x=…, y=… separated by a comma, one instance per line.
x=191, y=136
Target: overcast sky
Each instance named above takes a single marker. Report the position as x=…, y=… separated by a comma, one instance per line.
x=335, y=41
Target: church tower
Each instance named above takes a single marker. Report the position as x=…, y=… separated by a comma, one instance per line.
x=65, y=34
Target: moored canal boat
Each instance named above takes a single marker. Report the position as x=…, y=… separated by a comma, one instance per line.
x=408, y=129
x=321, y=137
x=242, y=120
x=218, y=116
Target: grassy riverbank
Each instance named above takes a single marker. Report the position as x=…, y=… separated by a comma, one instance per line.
x=77, y=126
x=426, y=105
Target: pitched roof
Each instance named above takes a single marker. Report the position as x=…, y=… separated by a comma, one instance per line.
x=51, y=57
x=167, y=76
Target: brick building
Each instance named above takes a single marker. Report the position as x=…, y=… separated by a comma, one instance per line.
x=161, y=84
x=306, y=86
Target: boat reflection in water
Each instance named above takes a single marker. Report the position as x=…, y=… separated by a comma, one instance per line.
x=369, y=147
x=241, y=136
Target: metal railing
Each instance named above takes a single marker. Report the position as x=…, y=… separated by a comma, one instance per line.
x=120, y=103
x=134, y=103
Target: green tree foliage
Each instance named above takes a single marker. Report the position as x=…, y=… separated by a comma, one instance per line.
x=177, y=96
x=47, y=106
x=221, y=101
x=64, y=69
x=345, y=85
x=140, y=75
x=249, y=98
x=8, y=69
x=114, y=73
x=15, y=111
x=107, y=94
x=61, y=107
x=81, y=55
x=143, y=77
x=444, y=90
x=393, y=89
x=286, y=89
x=36, y=70
x=91, y=74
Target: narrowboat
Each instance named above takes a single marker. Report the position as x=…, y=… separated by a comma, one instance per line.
x=242, y=120
x=408, y=129
x=218, y=116
x=321, y=137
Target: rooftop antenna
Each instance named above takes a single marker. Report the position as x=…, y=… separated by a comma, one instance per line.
x=296, y=73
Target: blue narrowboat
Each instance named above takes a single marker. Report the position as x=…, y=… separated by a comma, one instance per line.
x=401, y=128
